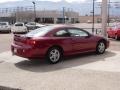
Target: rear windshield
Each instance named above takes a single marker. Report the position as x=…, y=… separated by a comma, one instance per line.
x=40, y=31
x=19, y=24
x=3, y=24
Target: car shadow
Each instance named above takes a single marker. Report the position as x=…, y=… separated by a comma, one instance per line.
x=111, y=39
x=71, y=61
x=8, y=88
x=5, y=33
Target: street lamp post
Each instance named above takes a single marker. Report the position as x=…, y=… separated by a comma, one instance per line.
x=34, y=11
x=93, y=17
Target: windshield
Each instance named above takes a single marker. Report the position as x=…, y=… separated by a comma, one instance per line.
x=40, y=31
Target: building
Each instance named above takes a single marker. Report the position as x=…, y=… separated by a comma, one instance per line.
x=26, y=14
x=89, y=19
x=97, y=19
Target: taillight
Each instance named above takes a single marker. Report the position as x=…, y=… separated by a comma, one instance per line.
x=31, y=42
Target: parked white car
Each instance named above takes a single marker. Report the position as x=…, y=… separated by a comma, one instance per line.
x=19, y=27
x=5, y=27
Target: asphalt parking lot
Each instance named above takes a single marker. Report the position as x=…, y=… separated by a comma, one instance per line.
x=81, y=72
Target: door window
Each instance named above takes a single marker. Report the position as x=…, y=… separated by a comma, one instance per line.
x=62, y=33
x=77, y=33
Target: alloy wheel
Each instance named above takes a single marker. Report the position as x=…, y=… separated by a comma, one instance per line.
x=101, y=48
x=54, y=55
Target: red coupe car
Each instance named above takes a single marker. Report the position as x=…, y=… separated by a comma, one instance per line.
x=114, y=32
x=54, y=42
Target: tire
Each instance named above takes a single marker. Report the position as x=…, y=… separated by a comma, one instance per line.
x=100, y=49
x=54, y=55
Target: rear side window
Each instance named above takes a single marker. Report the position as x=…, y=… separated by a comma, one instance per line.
x=77, y=33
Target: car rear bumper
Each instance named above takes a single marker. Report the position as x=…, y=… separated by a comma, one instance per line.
x=26, y=52
x=5, y=30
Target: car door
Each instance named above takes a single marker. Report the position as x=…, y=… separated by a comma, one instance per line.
x=62, y=37
x=82, y=41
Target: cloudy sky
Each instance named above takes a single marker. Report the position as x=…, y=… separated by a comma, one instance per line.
x=1, y=1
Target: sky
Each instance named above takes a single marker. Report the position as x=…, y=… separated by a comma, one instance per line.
x=80, y=1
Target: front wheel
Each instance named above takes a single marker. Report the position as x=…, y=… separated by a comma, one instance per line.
x=100, y=49
x=54, y=55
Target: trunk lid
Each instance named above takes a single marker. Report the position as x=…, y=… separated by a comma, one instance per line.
x=21, y=39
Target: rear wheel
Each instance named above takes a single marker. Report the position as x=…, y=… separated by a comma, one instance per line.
x=100, y=49
x=54, y=55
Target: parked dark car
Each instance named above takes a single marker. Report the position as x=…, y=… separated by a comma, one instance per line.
x=54, y=42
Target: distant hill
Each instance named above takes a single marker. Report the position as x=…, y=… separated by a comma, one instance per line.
x=82, y=8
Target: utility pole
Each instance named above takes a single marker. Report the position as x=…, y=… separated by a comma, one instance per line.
x=15, y=18
x=93, y=25
x=104, y=18
x=63, y=20
x=34, y=11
